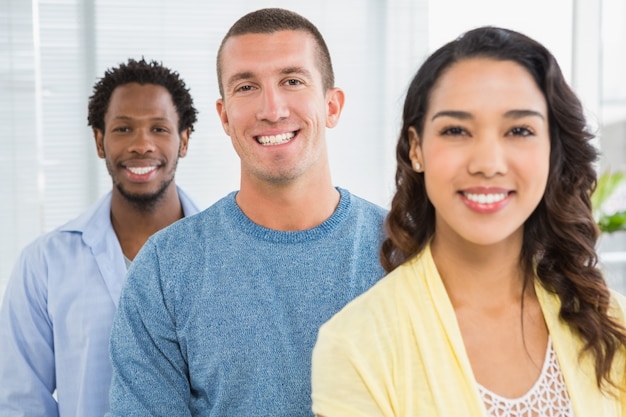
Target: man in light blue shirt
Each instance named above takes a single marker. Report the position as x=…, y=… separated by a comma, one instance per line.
x=58, y=309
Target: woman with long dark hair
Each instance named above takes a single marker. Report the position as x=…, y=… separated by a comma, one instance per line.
x=494, y=304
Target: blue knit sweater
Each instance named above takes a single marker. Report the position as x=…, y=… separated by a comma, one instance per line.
x=219, y=315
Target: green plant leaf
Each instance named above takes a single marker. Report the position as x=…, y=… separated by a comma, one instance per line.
x=607, y=183
x=613, y=223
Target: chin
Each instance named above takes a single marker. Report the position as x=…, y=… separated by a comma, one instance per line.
x=145, y=201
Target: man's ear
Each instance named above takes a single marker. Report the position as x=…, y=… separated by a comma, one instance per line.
x=184, y=142
x=335, y=99
x=98, y=136
x=220, y=106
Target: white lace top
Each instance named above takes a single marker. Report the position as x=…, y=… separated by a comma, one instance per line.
x=546, y=398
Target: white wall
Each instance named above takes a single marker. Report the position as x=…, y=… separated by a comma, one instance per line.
x=52, y=52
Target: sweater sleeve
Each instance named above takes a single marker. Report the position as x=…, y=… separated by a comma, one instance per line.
x=149, y=369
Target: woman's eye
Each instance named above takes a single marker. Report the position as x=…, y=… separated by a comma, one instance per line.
x=453, y=131
x=521, y=131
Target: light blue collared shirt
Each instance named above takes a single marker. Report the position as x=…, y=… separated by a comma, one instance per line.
x=56, y=318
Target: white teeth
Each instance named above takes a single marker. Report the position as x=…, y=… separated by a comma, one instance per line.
x=141, y=170
x=275, y=140
x=485, y=198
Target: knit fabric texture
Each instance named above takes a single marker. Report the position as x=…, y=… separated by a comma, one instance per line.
x=219, y=315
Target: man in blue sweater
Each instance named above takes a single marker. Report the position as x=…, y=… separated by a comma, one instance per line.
x=221, y=311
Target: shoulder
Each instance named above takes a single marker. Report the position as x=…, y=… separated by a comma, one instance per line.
x=388, y=305
x=374, y=310
x=41, y=262
x=618, y=306
x=189, y=205
x=197, y=233
x=57, y=243
x=364, y=218
x=214, y=215
x=96, y=217
x=362, y=205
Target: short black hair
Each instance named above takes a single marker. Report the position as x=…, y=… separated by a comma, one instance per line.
x=141, y=72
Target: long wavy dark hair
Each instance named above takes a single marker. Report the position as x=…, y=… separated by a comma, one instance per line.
x=560, y=235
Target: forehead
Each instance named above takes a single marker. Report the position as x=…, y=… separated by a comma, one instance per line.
x=268, y=53
x=482, y=84
x=135, y=100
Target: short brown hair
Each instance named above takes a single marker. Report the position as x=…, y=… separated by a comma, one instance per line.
x=275, y=20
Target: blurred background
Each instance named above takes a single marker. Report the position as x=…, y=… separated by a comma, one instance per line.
x=53, y=51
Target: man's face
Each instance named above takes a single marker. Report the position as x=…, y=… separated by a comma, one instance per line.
x=141, y=143
x=275, y=108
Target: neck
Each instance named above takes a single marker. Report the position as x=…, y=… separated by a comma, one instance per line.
x=288, y=207
x=134, y=225
x=480, y=275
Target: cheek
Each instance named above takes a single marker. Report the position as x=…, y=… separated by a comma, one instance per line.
x=443, y=161
x=534, y=162
x=309, y=109
x=440, y=168
x=110, y=148
x=179, y=150
x=531, y=170
x=237, y=115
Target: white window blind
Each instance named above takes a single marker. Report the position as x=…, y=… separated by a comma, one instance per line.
x=52, y=52
x=20, y=203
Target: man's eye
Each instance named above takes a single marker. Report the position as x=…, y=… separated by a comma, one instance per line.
x=293, y=82
x=245, y=88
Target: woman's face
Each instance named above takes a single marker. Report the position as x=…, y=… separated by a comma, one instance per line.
x=484, y=151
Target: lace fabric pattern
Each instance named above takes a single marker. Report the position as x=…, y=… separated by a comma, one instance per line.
x=548, y=397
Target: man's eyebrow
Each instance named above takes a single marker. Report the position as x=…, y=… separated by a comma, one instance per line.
x=238, y=77
x=297, y=70
x=246, y=75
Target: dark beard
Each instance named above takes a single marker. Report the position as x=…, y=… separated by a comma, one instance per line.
x=145, y=202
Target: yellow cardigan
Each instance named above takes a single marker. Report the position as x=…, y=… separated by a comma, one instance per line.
x=397, y=351
x=578, y=372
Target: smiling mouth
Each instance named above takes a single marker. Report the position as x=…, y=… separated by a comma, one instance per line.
x=486, y=198
x=141, y=170
x=275, y=139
